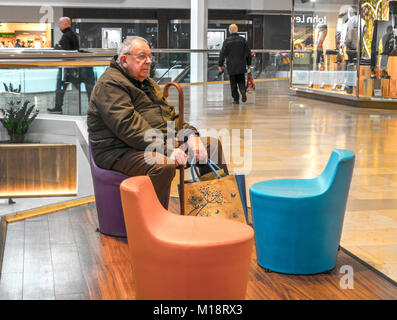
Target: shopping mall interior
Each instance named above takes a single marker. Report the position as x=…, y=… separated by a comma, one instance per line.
x=324, y=83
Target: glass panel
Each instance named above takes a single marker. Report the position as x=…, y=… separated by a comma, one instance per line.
x=39, y=76
x=41, y=87
x=271, y=64
x=378, y=75
x=325, y=41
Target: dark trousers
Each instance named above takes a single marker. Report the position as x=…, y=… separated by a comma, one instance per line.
x=74, y=76
x=133, y=163
x=237, y=80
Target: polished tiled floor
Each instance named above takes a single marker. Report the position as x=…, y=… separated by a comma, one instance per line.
x=293, y=137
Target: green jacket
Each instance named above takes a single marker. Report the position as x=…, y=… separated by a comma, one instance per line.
x=120, y=112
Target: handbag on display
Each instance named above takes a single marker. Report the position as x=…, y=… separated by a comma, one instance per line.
x=216, y=194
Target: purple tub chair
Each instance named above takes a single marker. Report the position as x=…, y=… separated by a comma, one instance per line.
x=107, y=197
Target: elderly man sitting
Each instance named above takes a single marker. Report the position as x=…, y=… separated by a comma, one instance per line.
x=126, y=115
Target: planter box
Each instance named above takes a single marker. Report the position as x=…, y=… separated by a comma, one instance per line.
x=37, y=170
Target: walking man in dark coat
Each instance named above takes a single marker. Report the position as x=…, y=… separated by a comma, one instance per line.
x=69, y=41
x=238, y=55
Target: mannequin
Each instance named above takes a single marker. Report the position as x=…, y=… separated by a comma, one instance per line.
x=350, y=34
x=321, y=33
x=387, y=50
x=340, y=31
x=340, y=27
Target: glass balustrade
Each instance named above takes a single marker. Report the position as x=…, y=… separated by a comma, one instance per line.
x=33, y=75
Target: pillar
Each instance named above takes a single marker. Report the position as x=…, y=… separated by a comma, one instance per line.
x=198, y=40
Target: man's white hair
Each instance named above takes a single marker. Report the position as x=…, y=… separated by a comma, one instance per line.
x=126, y=45
x=233, y=28
x=65, y=20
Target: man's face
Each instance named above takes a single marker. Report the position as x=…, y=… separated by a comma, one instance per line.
x=137, y=63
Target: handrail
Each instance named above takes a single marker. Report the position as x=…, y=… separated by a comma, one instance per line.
x=182, y=75
x=168, y=70
x=177, y=63
x=25, y=54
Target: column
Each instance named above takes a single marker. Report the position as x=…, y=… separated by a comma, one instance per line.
x=198, y=40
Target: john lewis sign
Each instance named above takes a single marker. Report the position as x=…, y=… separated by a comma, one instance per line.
x=310, y=19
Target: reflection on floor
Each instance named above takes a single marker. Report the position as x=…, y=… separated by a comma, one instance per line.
x=293, y=137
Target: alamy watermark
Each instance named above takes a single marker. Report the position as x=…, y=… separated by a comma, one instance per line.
x=236, y=145
x=347, y=280
x=46, y=14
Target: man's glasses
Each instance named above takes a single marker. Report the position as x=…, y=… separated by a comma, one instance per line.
x=140, y=56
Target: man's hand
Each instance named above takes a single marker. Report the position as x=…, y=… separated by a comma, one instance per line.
x=179, y=157
x=197, y=148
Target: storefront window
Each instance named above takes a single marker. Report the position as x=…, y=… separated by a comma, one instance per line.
x=325, y=41
x=106, y=34
x=179, y=33
x=379, y=77
x=25, y=35
x=345, y=47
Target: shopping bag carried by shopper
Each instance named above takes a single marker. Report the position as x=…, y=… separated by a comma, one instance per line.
x=216, y=194
x=250, y=82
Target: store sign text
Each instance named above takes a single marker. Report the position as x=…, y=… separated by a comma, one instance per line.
x=310, y=19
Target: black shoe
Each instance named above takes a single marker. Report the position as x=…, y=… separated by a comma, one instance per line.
x=55, y=110
x=243, y=97
x=236, y=102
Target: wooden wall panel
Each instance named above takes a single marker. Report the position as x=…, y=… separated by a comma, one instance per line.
x=31, y=170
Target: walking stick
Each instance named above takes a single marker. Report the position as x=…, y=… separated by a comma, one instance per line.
x=180, y=127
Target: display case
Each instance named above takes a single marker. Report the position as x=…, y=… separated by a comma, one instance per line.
x=345, y=51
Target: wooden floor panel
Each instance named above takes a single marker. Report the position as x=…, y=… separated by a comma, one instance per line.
x=43, y=260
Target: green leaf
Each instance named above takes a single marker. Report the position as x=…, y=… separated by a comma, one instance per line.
x=18, y=116
x=19, y=128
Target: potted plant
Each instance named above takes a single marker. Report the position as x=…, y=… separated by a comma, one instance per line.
x=17, y=117
x=10, y=88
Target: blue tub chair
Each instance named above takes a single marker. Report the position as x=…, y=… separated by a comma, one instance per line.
x=298, y=222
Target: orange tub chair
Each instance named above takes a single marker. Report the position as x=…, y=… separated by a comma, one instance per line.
x=178, y=257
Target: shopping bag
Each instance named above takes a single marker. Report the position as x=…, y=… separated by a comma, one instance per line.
x=250, y=81
x=240, y=179
x=215, y=197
